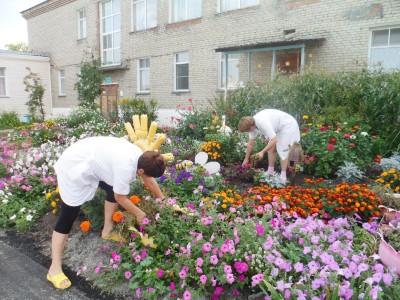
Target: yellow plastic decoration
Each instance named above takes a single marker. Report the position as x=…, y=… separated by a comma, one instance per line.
x=145, y=239
x=145, y=139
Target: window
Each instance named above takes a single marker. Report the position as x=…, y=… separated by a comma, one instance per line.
x=82, y=24
x=61, y=82
x=144, y=14
x=144, y=75
x=111, y=32
x=182, y=10
x=385, y=48
x=182, y=71
x=3, y=90
x=226, y=5
x=233, y=71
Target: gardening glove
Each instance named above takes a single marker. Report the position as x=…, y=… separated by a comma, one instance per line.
x=145, y=139
x=145, y=239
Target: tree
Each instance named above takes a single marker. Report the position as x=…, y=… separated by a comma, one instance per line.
x=18, y=47
x=89, y=83
x=33, y=84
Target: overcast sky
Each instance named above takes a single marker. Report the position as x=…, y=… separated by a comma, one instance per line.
x=12, y=25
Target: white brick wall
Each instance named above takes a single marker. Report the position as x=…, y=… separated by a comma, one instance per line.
x=344, y=24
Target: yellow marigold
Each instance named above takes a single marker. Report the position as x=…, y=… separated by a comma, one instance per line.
x=57, y=190
x=53, y=203
x=55, y=211
x=118, y=216
x=85, y=226
x=48, y=195
x=224, y=206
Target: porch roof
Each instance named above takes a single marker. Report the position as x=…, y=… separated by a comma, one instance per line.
x=267, y=46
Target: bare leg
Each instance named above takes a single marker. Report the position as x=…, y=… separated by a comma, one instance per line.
x=284, y=165
x=272, y=157
x=109, y=209
x=58, y=242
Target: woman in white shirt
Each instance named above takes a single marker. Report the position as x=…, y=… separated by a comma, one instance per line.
x=110, y=163
x=281, y=130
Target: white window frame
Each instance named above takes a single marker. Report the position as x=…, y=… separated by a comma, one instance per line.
x=232, y=58
x=113, y=36
x=61, y=82
x=240, y=5
x=140, y=71
x=82, y=33
x=148, y=14
x=387, y=46
x=186, y=13
x=176, y=63
x=3, y=78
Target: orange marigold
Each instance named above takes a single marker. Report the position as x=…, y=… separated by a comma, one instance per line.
x=118, y=216
x=85, y=226
x=134, y=199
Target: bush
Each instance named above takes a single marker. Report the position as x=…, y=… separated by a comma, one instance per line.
x=9, y=120
x=137, y=106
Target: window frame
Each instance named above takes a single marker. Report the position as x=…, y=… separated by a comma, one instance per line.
x=61, y=82
x=82, y=24
x=240, y=6
x=146, y=19
x=187, y=12
x=372, y=65
x=4, y=78
x=222, y=69
x=176, y=63
x=139, y=78
x=114, y=49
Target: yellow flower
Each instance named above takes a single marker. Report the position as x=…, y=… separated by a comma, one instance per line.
x=53, y=203
x=48, y=195
x=55, y=211
x=305, y=117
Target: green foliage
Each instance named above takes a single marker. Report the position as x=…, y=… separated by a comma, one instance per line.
x=137, y=106
x=89, y=83
x=365, y=97
x=94, y=210
x=79, y=116
x=9, y=120
x=18, y=47
x=181, y=148
x=33, y=84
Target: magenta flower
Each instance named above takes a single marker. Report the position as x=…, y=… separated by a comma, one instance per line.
x=203, y=279
x=260, y=230
x=256, y=279
x=116, y=256
x=144, y=254
x=172, y=286
x=199, y=262
x=330, y=147
x=240, y=267
x=206, y=247
x=160, y=273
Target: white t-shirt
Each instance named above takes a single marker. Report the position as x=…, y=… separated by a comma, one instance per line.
x=273, y=122
x=87, y=162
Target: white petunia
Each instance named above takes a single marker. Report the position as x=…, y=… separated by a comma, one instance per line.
x=13, y=217
x=364, y=133
x=353, y=137
x=29, y=217
x=22, y=209
x=5, y=201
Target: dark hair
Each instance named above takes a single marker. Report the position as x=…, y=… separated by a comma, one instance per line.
x=152, y=163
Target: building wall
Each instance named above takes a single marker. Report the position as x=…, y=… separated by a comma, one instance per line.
x=345, y=25
x=16, y=65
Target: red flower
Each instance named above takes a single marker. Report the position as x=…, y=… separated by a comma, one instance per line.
x=330, y=147
x=190, y=100
x=305, y=129
x=333, y=141
x=352, y=145
x=323, y=129
x=346, y=135
x=190, y=108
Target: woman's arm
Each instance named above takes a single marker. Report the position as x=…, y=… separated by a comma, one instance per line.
x=249, y=147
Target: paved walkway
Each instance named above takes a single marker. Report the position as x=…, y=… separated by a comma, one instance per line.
x=21, y=278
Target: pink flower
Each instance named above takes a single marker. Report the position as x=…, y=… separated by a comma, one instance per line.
x=260, y=230
x=187, y=295
x=191, y=125
x=172, y=286
x=330, y=147
x=240, y=267
x=227, y=269
x=346, y=136
x=323, y=128
x=214, y=259
x=199, y=262
x=146, y=221
x=160, y=273
x=207, y=247
x=128, y=275
x=230, y=278
x=203, y=279
x=144, y=254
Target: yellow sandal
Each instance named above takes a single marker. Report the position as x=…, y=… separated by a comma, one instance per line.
x=116, y=237
x=58, y=279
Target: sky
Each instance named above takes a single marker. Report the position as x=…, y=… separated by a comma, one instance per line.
x=13, y=28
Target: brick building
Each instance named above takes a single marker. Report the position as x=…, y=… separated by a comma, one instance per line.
x=172, y=50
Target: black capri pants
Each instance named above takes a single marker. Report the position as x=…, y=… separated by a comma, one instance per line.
x=69, y=214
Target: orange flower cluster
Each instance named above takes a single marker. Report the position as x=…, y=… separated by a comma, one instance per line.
x=118, y=216
x=85, y=226
x=345, y=199
x=226, y=199
x=212, y=149
x=135, y=199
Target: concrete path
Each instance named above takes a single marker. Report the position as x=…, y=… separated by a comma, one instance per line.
x=21, y=278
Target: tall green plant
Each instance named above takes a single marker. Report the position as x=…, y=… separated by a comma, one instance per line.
x=89, y=83
x=33, y=84
x=137, y=106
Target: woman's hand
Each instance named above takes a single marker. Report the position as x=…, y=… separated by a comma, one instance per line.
x=260, y=155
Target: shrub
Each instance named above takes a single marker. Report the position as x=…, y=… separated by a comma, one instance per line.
x=89, y=83
x=137, y=106
x=349, y=172
x=9, y=120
